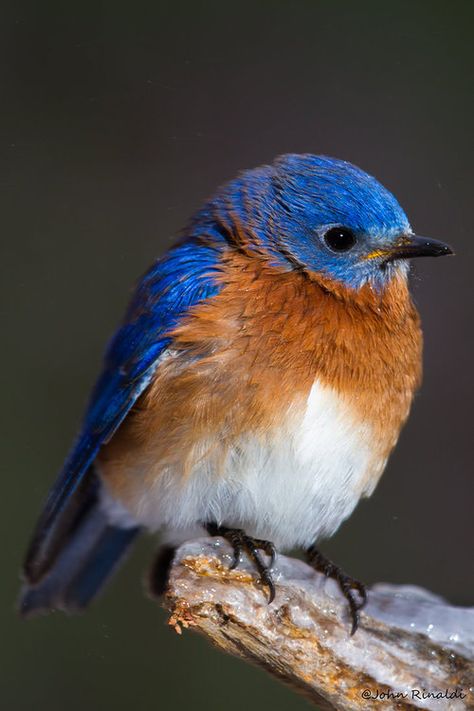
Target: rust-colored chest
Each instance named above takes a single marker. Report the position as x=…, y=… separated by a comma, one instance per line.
x=269, y=335
x=244, y=361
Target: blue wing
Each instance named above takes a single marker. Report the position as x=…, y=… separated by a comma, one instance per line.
x=183, y=277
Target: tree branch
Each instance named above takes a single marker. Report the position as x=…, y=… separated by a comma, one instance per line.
x=410, y=642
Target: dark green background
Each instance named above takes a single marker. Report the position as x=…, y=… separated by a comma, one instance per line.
x=117, y=120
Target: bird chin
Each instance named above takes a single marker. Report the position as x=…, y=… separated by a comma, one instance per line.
x=392, y=269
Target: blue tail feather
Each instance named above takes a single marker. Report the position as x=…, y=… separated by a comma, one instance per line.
x=91, y=553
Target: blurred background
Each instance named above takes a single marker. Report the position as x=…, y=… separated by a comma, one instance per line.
x=117, y=121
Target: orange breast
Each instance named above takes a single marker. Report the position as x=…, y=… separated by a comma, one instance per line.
x=243, y=361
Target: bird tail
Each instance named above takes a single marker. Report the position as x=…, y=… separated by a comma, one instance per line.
x=91, y=552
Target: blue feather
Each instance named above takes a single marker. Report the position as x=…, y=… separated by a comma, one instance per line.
x=285, y=208
x=182, y=278
x=279, y=213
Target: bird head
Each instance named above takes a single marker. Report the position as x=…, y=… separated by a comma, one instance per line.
x=323, y=216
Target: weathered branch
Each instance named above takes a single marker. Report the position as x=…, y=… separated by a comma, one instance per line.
x=410, y=642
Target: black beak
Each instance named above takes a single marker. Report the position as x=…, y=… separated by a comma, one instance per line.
x=415, y=246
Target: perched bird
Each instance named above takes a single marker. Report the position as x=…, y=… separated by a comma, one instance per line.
x=256, y=386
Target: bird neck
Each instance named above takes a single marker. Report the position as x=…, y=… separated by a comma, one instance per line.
x=389, y=300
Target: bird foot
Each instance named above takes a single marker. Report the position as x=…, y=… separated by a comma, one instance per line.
x=240, y=542
x=350, y=587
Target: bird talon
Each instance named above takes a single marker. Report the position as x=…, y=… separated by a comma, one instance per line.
x=362, y=592
x=355, y=623
x=270, y=550
x=235, y=562
x=268, y=581
x=240, y=542
x=350, y=587
x=236, y=555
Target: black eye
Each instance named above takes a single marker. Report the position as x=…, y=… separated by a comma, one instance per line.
x=340, y=239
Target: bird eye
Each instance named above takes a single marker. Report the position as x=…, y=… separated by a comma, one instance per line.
x=340, y=239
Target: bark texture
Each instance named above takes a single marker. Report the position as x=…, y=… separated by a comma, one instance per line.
x=412, y=650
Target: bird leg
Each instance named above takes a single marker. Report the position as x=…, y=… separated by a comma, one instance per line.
x=350, y=587
x=240, y=542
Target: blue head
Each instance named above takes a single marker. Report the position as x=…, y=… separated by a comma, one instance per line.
x=322, y=215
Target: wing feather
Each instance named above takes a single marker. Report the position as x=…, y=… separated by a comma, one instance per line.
x=185, y=276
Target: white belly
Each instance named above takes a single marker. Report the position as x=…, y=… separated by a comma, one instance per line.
x=291, y=488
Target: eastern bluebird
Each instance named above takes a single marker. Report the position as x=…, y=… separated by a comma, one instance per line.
x=255, y=388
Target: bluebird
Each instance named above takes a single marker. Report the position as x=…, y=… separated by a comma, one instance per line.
x=255, y=388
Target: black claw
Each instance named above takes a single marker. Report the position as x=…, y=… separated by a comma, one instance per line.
x=355, y=622
x=240, y=542
x=266, y=579
x=270, y=550
x=236, y=543
x=236, y=558
x=354, y=608
x=362, y=590
x=348, y=586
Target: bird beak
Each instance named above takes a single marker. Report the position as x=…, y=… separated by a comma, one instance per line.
x=414, y=246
